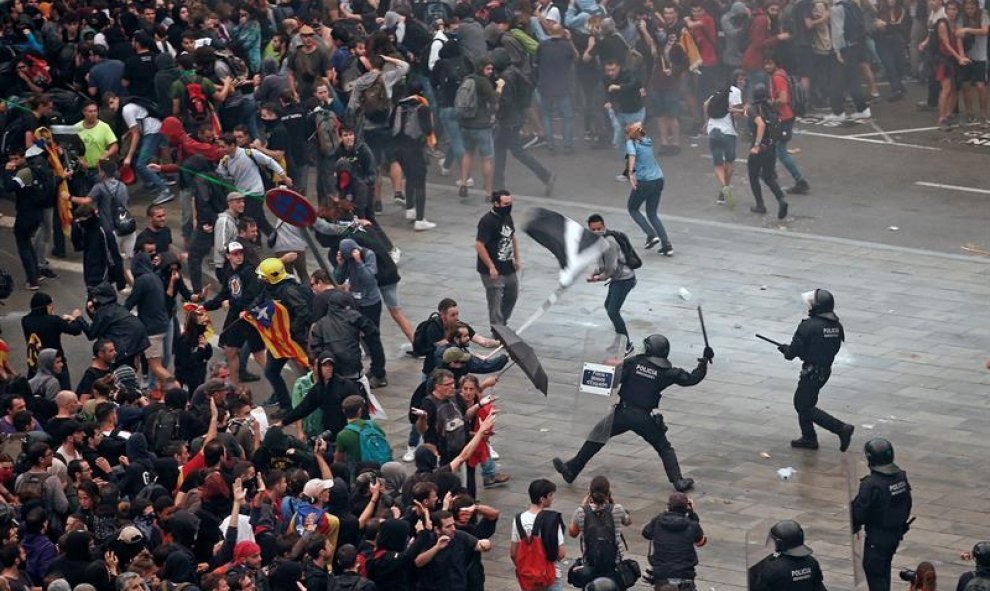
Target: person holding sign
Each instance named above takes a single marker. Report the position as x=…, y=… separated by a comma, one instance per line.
x=642, y=379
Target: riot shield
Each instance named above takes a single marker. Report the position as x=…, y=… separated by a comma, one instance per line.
x=596, y=391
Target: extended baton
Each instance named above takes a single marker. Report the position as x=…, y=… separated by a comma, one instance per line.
x=771, y=341
x=704, y=333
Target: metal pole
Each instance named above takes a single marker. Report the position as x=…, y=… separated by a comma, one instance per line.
x=314, y=246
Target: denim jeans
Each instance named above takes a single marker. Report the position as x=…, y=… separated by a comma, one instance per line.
x=892, y=53
x=619, y=123
x=564, y=107
x=452, y=130
x=784, y=156
x=147, y=150
x=648, y=192
x=617, y=292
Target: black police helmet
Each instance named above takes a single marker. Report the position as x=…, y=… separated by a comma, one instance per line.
x=981, y=554
x=879, y=452
x=788, y=538
x=602, y=584
x=656, y=345
x=823, y=302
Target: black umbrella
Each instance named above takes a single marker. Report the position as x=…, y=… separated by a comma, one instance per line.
x=524, y=356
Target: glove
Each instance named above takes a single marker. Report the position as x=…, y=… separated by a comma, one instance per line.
x=783, y=349
x=708, y=354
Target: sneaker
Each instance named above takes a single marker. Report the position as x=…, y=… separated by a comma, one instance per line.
x=395, y=254
x=895, y=96
x=126, y=290
x=496, y=479
x=411, y=214
x=833, y=118
x=720, y=199
x=800, y=188
x=845, y=437
x=667, y=251
x=533, y=142
x=564, y=471
x=629, y=347
x=651, y=242
x=410, y=454
x=377, y=382
x=727, y=192
x=164, y=197
x=423, y=225
x=492, y=453
x=378, y=206
x=782, y=210
x=803, y=443
x=683, y=484
x=271, y=401
x=246, y=376
x=758, y=210
x=548, y=188
x=621, y=178
x=462, y=191
x=399, y=198
x=444, y=171
x=32, y=286
x=864, y=114
x=48, y=273
x=468, y=183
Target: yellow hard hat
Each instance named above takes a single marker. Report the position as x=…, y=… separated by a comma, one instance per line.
x=272, y=270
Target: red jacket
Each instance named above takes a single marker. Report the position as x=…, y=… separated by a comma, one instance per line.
x=187, y=146
x=760, y=40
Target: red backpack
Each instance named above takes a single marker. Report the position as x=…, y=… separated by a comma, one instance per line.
x=196, y=104
x=533, y=569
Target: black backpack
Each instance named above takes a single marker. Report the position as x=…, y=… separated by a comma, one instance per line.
x=44, y=184
x=152, y=107
x=718, y=104
x=630, y=258
x=421, y=344
x=164, y=430
x=600, y=550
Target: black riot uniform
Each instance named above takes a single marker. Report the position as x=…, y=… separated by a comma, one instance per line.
x=816, y=341
x=882, y=506
x=981, y=554
x=643, y=377
x=791, y=567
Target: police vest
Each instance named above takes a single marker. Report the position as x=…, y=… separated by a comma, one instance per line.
x=786, y=573
x=895, y=492
x=642, y=382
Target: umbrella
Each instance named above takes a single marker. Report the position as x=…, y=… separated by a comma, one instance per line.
x=524, y=356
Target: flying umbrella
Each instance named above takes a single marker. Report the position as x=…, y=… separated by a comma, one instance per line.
x=523, y=355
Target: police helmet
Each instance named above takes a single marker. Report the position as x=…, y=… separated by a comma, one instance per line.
x=981, y=554
x=656, y=345
x=880, y=456
x=601, y=584
x=819, y=301
x=788, y=538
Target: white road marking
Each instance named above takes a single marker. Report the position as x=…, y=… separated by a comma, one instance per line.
x=853, y=138
x=886, y=136
x=953, y=187
x=895, y=131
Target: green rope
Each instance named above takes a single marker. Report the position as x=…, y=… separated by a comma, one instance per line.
x=16, y=105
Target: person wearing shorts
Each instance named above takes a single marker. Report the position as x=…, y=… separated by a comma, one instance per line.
x=722, y=138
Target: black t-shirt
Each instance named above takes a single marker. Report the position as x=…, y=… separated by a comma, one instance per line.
x=297, y=127
x=495, y=232
x=276, y=137
x=611, y=48
x=448, y=569
x=162, y=238
x=139, y=71
x=89, y=376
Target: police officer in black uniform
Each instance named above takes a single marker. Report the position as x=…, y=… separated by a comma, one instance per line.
x=643, y=377
x=791, y=567
x=882, y=506
x=981, y=554
x=816, y=341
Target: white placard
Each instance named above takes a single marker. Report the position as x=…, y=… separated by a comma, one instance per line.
x=597, y=379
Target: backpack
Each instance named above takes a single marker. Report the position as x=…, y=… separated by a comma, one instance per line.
x=854, y=25
x=429, y=11
x=12, y=136
x=450, y=427
x=421, y=344
x=600, y=551
x=325, y=130
x=303, y=514
x=123, y=222
x=630, y=258
x=374, y=445
x=375, y=103
x=533, y=569
x=718, y=104
x=406, y=120
x=43, y=187
x=147, y=104
x=267, y=176
x=196, y=104
x=798, y=96
x=164, y=430
x=466, y=102
x=31, y=487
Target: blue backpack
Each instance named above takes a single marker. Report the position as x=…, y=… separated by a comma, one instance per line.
x=374, y=445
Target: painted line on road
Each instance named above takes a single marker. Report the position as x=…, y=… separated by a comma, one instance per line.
x=886, y=137
x=895, y=131
x=853, y=138
x=953, y=187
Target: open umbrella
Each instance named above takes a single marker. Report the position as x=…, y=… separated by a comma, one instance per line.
x=523, y=355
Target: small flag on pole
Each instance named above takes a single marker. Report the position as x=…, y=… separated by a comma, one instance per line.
x=271, y=320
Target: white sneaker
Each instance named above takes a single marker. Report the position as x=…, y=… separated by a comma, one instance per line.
x=833, y=118
x=410, y=454
x=422, y=225
x=395, y=254
x=492, y=453
x=410, y=214
x=469, y=183
x=621, y=178
x=864, y=114
x=444, y=171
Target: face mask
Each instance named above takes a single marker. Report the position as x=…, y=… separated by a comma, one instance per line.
x=503, y=211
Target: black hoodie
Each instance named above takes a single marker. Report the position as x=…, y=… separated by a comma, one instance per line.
x=148, y=295
x=339, y=331
x=326, y=396
x=47, y=329
x=449, y=71
x=113, y=321
x=673, y=536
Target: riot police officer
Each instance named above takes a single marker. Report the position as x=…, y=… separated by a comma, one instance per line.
x=981, y=554
x=643, y=377
x=816, y=341
x=882, y=506
x=791, y=567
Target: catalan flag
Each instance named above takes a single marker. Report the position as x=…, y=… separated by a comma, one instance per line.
x=271, y=320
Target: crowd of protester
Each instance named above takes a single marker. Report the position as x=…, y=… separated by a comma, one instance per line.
x=158, y=468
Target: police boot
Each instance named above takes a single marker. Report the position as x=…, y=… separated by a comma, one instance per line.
x=673, y=470
x=804, y=443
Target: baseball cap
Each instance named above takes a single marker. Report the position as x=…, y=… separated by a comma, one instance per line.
x=234, y=195
x=130, y=535
x=315, y=486
x=234, y=246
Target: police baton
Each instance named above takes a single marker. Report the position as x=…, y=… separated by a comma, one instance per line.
x=771, y=341
x=704, y=332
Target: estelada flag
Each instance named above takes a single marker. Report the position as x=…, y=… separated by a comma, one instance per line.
x=191, y=308
x=271, y=320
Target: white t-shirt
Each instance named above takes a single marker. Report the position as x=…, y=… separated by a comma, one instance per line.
x=528, y=518
x=135, y=114
x=725, y=124
x=978, y=50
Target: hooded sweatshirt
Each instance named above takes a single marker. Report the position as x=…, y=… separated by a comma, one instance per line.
x=362, y=276
x=327, y=396
x=167, y=74
x=113, y=321
x=187, y=146
x=40, y=552
x=449, y=72
x=44, y=328
x=148, y=295
x=44, y=383
x=141, y=468
x=77, y=557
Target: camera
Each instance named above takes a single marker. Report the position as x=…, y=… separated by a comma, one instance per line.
x=908, y=575
x=326, y=436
